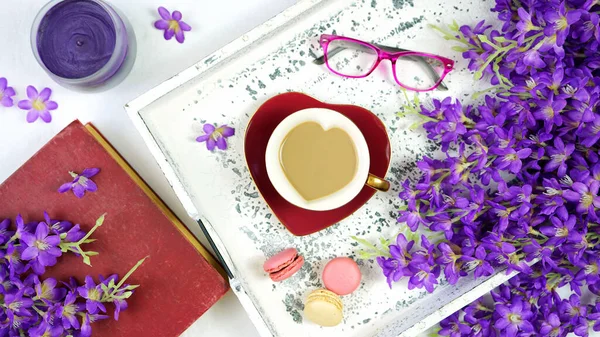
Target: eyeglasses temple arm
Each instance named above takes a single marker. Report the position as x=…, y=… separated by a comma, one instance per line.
x=432, y=72
x=430, y=69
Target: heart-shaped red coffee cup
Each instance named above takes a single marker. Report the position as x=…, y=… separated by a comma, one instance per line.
x=300, y=221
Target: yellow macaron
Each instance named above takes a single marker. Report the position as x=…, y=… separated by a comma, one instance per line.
x=324, y=308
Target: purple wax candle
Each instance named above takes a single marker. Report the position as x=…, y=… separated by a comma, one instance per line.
x=80, y=42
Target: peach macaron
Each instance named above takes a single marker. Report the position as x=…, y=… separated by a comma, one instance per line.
x=324, y=308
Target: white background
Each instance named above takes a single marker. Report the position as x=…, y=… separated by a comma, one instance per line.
x=214, y=24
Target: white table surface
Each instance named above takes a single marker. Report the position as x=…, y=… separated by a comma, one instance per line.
x=214, y=23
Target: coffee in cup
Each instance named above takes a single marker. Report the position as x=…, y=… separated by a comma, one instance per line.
x=318, y=159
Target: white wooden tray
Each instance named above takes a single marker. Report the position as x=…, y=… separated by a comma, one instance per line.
x=216, y=188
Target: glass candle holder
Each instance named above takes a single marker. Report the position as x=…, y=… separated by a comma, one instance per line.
x=80, y=43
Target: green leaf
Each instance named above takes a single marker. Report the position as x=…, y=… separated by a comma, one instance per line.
x=459, y=49
x=415, y=125
x=104, y=288
x=100, y=220
x=363, y=255
x=132, y=287
x=90, y=253
x=63, y=236
x=86, y=260
x=454, y=26
x=89, y=240
x=363, y=242
x=500, y=39
x=384, y=242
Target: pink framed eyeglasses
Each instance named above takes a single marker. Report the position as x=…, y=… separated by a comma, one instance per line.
x=413, y=70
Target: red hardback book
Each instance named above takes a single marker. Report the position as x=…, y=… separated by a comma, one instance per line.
x=178, y=282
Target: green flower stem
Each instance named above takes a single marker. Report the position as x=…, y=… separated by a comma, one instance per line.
x=114, y=290
x=372, y=250
x=495, y=57
x=75, y=247
x=478, y=94
x=41, y=313
x=99, y=223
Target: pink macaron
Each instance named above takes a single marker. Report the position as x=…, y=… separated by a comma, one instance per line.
x=342, y=275
x=284, y=264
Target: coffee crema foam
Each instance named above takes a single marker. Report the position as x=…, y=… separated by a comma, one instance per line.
x=318, y=163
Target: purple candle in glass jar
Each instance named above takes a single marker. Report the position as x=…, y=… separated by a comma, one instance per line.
x=80, y=42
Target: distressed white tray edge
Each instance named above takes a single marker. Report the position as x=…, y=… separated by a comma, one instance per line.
x=134, y=107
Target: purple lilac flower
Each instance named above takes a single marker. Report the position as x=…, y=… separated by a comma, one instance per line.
x=396, y=267
x=453, y=327
x=594, y=317
x=81, y=182
x=450, y=254
x=514, y=318
x=74, y=234
x=216, y=136
x=46, y=330
x=551, y=326
x=586, y=196
x=525, y=24
x=441, y=223
x=120, y=305
x=549, y=112
x=6, y=93
x=423, y=275
x=412, y=218
x=5, y=232
x=510, y=159
x=17, y=304
x=93, y=294
x=589, y=28
x=38, y=105
x=47, y=290
x=534, y=250
x=86, y=328
x=480, y=327
x=559, y=23
x=68, y=311
x=559, y=155
x=12, y=255
x=571, y=310
x=563, y=227
x=57, y=226
x=478, y=264
x=425, y=255
x=590, y=272
x=533, y=59
x=172, y=24
x=408, y=194
x=41, y=246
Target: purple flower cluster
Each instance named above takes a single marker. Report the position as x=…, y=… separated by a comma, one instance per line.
x=519, y=179
x=36, y=306
x=513, y=314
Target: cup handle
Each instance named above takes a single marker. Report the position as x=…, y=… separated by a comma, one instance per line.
x=377, y=183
